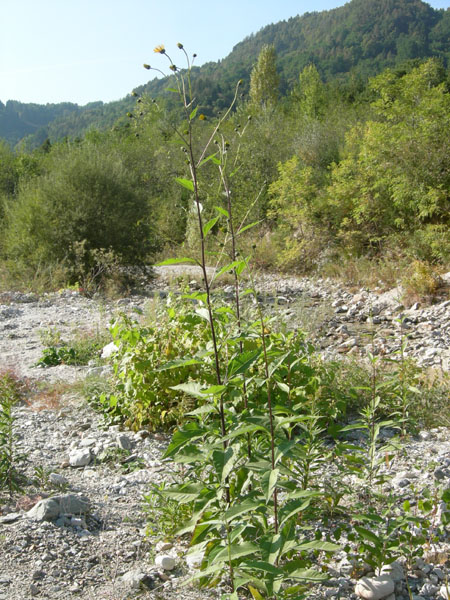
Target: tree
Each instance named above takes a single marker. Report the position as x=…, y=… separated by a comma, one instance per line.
x=87, y=200
x=264, y=79
x=311, y=93
x=396, y=178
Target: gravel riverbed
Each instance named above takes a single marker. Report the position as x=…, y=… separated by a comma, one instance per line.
x=79, y=530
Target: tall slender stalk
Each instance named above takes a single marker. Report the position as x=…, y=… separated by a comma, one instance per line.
x=269, y=397
x=234, y=256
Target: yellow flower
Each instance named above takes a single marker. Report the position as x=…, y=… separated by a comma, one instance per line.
x=160, y=49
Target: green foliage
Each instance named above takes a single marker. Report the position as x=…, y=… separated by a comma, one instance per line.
x=144, y=394
x=10, y=392
x=89, y=198
x=396, y=178
x=164, y=515
x=310, y=93
x=264, y=80
x=83, y=348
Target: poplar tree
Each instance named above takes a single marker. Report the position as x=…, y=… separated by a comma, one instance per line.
x=264, y=79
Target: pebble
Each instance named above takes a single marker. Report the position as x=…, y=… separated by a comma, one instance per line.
x=80, y=457
x=165, y=561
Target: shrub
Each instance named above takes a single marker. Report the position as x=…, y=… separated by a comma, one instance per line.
x=88, y=197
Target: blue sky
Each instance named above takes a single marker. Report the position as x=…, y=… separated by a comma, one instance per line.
x=87, y=50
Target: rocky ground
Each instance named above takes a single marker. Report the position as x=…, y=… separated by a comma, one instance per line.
x=79, y=531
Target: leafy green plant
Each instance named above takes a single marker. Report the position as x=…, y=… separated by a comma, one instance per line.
x=56, y=356
x=11, y=391
x=164, y=515
x=236, y=448
x=83, y=348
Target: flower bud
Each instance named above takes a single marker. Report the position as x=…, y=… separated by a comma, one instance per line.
x=180, y=45
x=147, y=66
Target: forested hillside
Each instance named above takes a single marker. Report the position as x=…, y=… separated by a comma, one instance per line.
x=347, y=45
x=328, y=180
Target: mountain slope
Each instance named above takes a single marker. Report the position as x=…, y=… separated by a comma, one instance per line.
x=361, y=38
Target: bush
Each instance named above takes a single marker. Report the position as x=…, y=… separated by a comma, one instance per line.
x=88, y=198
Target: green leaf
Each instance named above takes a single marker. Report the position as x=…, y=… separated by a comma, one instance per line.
x=292, y=508
x=249, y=226
x=222, y=211
x=211, y=157
x=192, y=388
x=181, y=437
x=176, y=261
x=272, y=548
x=186, y=183
x=203, y=313
x=240, y=509
x=170, y=89
x=214, y=390
x=223, y=461
x=209, y=225
x=254, y=592
x=187, y=492
x=243, y=430
x=188, y=455
x=206, y=409
x=368, y=535
x=269, y=483
x=235, y=551
x=260, y=565
x=283, y=387
x=229, y=267
x=179, y=362
x=308, y=575
x=242, y=362
x=319, y=545
x=193, y=113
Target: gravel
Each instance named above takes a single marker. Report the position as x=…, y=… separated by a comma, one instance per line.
x=79, y=530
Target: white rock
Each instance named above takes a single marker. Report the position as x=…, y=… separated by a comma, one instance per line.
x=134, y=578
x=165, y=561
x=80, y=458
x=394, y=570
x=445, y=592
x=375, y=588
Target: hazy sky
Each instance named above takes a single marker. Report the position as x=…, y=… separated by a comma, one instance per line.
x=86, y=50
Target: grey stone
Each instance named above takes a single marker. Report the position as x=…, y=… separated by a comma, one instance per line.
x=165, y=561
x=124, y=442
x=51, y=508
x=10, y=518
x=428, y=589
x=73, y=505
x=394, y=570
x=57, y=479
x=375, y=588
x=80, y=458
x=134, y=578
x=440, y=474
x=45, y=510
